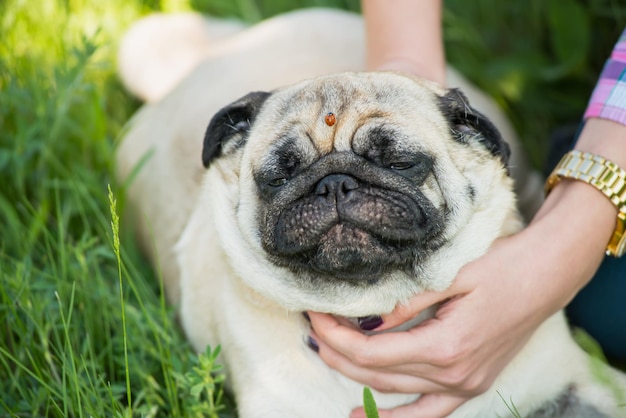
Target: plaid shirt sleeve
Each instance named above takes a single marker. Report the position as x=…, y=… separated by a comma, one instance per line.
x=608, y=100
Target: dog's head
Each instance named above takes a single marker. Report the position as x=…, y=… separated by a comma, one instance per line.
x=349, y=193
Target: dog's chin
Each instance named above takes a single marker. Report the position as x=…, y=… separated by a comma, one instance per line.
x=354, y=237
x=358, y=297
x=350, y=253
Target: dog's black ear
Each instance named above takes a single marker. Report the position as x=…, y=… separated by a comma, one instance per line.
x=232, y=123
x=467, y=124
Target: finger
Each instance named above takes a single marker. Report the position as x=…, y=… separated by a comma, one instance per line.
x=380, y=380
x=364, y=350
x=380, y=351
x=328, y=326
x=427, y=406
x=417, y=305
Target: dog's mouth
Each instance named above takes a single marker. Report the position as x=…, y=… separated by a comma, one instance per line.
x=350, y=230
x=348, y=252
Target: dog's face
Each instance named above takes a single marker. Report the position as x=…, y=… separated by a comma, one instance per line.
x=349, y=193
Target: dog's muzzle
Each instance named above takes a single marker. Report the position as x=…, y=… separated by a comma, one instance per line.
x=352, y=223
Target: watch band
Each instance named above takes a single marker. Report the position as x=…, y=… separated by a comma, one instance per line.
x=605, y=176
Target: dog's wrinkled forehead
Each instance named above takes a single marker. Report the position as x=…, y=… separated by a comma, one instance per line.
x=353, y=112
x=338, y=113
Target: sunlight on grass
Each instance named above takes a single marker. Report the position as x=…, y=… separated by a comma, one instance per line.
x=78, y=340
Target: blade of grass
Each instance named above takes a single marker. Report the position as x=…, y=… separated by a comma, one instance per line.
x=369, y=404
x=115, y=226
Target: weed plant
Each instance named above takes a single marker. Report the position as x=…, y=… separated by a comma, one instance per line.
x=84, y=329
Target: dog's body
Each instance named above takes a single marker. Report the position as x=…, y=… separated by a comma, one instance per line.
x=345, y=193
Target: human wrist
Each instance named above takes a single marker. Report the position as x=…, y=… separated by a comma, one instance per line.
x=606, y=177
x=588, y=164
x=569, y=235
x=405, y=37
x=576, y=210
x=570, y=232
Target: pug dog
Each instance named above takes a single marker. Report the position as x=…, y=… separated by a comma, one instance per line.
x=346, y=193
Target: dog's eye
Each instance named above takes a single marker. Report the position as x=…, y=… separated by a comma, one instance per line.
x=401, y=165
x=277, y=182
x=415, y=167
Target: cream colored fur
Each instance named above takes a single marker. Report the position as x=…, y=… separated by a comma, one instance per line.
x=263, y=57
x=227, y=292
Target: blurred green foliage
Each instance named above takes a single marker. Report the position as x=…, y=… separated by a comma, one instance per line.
x=539, y=58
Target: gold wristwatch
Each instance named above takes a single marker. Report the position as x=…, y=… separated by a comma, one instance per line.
x=605, y=176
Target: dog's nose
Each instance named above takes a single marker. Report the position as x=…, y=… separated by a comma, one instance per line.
x=336, y=184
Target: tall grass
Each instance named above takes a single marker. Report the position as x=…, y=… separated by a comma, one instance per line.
x=84, y=329
x=65, y=308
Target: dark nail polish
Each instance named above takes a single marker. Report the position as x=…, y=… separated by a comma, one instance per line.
x=312, y=344
x=369, y=323
x=306, y=316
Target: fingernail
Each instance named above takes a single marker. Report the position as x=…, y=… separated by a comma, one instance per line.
x=306, y=316
x=312, y=344
x=369, y=323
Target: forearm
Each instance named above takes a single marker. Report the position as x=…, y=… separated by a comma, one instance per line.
x=574, y=225
x=406, y=36
x=578, y=219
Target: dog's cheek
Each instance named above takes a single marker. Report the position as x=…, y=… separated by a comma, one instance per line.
x=432, y=191
x=229, y=168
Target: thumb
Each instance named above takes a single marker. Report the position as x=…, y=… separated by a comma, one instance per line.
x=427, y=406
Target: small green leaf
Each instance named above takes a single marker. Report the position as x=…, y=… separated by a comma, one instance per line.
x=369, y=404
x=196, y=390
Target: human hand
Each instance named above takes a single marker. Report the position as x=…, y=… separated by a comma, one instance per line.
x=487, y=315
x=450, y=358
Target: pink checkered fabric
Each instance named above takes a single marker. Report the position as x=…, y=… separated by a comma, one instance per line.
x=608, y=100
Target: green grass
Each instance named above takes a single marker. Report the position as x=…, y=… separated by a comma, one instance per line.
x=369, y=403
x=84, y=329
